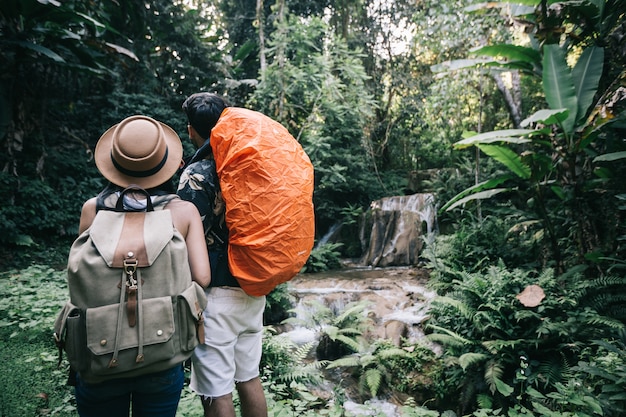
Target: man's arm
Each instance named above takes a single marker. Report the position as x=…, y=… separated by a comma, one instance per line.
x=199, y=185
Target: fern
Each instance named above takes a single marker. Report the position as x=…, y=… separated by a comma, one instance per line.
x=497, y=346
x=309, y=372
x=555, y=370
x=302, y=352
x=470, y=359
x=447, y=340
x=607, y=322
x=493, y=373
x=353, y=344
x=392, y=353
x=288, y=362
x=373, y=379
x=345, y=362
x=353, y=311
x=463, y=308
x=454, y=336
x=484, y=401
x=368, y=364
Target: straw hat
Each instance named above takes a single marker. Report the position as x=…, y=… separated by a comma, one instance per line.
x=139, y=150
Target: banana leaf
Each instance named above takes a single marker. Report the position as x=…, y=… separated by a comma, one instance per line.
x=485, y=185
x=548, y=117
x=511, y=53
x=506, y=135
x=558, y=85
x=586, y=75
x=607, y=157
x=483, y=195
x=513, y=9
x=509, y=158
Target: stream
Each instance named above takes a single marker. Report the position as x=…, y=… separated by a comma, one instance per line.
x=398, y=305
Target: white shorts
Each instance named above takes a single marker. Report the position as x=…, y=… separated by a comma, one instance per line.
x=233, y=330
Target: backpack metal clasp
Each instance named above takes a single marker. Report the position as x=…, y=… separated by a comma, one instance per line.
x=130, y=267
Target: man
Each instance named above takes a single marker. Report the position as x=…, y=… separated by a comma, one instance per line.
x=233, y=319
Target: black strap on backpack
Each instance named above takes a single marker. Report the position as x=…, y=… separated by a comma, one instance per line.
x=119, y=206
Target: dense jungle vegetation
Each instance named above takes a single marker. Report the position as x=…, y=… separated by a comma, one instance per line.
x=512, y=114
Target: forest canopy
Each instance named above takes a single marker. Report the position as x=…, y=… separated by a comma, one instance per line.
x=380, y=94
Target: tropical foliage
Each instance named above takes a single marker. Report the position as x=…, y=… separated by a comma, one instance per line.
x=563, y=162
x=500, y=352
x=513, y=112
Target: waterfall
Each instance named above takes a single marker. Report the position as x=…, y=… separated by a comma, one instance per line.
x=394, y=290
x=393, y=227
x=324, y=239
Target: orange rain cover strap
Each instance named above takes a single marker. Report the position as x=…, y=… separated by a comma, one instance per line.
x=267, y=185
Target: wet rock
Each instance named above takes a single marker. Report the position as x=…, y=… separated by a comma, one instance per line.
x=392, y=229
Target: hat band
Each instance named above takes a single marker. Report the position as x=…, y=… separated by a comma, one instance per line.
x=140, y=174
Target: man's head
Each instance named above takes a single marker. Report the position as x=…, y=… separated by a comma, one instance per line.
x=203, y=110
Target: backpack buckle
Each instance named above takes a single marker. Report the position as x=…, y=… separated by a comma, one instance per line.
x=130, y=263
x=130, y=267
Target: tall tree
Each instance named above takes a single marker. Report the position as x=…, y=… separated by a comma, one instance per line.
x=315, y=85
x=68, y=71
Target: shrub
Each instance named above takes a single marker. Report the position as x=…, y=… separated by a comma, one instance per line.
x=501, y=353
x=324, y=258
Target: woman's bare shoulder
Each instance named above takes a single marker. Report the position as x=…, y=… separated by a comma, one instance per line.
x=90, y=204
x=183, y=207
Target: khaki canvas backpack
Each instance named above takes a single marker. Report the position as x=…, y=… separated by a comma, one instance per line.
x=133, y=308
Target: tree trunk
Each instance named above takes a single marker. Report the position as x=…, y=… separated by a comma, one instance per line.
x=261, y=22
x=512, y=96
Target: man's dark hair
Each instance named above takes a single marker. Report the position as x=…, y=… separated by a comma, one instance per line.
x=203, y=110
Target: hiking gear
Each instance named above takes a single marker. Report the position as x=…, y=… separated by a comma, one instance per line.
x=266, y=180
x=139, y=150
x=133, y=306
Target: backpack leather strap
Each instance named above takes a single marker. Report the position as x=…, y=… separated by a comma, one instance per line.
x=140, y=355
x=118, y=334
x=132, y=287
x=133, y=241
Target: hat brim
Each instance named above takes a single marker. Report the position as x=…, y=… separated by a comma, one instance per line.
x=104, y=163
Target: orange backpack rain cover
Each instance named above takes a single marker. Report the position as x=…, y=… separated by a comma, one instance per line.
x=267, y=184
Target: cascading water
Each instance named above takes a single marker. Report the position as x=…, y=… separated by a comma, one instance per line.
x=396, y=297
x=387, y=277
x=392, y=229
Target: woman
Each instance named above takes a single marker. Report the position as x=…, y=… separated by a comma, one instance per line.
x=144, y=152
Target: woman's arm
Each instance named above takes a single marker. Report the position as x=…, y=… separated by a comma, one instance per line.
x=187, y=221
x=87, y=214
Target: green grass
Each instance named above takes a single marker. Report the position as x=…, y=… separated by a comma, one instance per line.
x=31, y=383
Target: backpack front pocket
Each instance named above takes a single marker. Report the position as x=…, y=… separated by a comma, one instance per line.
x=148, y=342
